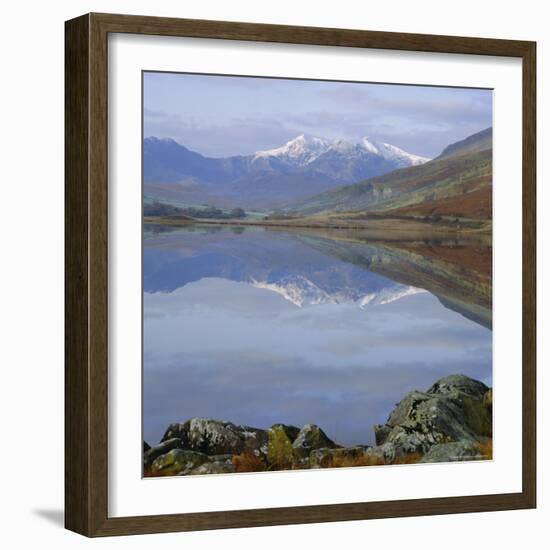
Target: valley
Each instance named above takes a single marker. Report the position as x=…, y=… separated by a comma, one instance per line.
x=449, y=194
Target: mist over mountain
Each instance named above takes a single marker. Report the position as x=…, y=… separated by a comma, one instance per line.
x=266, y=179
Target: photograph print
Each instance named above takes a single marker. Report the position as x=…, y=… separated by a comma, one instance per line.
x=317, y=274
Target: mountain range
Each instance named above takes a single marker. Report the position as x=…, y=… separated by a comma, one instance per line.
x=456, y=183
x=310, y=269
x=304, y=166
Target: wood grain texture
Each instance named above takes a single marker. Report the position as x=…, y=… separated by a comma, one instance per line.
x=86, y=257
x=77, y=153
x=529, y=276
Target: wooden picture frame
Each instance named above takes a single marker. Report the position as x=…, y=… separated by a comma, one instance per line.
x=86, y=282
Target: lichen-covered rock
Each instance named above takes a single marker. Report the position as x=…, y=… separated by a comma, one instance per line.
x=488, y=400
x=325, y=458
x=381, y=433
x=214, y=467
x=451, y=410
x=383, y=454
x=459, y=383
x=162, y=448
x=218, y=437
x=453, y=452
x=177, y=462
x=309, y=438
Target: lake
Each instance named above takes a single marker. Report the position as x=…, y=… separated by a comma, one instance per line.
x=259, y=326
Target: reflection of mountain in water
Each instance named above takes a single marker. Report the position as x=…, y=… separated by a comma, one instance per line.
x=458, y=273
x=302, y=292
x=311, y=268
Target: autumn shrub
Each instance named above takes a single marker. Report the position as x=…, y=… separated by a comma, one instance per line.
x=248, y=462
x=486, y=449
x=343, y=461
x=409, y=458
x=280, y=453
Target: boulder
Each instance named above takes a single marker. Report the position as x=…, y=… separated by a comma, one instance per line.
x=459, y=383
x=177, y=462
x=451, y=410
x=162, y=448
x=309, y=438
x=453, y=452
x=383, y=454
x=488, y=400
x=218, y=437
x=381, y=433
x=214, y=468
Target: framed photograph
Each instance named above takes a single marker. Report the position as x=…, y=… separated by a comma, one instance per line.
x=300, y=275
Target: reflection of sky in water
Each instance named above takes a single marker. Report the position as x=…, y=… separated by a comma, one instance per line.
x=227, y=349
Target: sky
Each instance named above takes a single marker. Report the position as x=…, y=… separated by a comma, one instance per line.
x=221, y=116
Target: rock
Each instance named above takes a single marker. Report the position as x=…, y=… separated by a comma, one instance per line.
x=451, y=410
x=344, y=456
x=488, y=400
x=383, y=454
x=453, y=452
x=309, y=438
x=213, y=468
x=146, y=446
x=218, y=437
x=161, y=449
x=220, y=458
x=459, y=383
x=381, y=433
x=177, y=462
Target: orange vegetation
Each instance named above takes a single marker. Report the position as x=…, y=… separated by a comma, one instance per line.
x=248, y=462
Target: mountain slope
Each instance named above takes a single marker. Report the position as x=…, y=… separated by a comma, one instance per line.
x=473, y=144
x=302, y=167
x=462, y=168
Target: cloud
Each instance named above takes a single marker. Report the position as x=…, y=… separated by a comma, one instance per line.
x=223, y=115
x=231, y=351
x=239, y=136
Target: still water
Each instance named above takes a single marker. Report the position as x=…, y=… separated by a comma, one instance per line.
x=260, y=326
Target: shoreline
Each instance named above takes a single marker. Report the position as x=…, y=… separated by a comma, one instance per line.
x=395, y=225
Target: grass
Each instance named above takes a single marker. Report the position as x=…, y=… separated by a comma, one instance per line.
x=369, y=460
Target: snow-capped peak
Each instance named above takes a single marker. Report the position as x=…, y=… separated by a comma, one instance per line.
x=301, y=150
x=370, y=146
x=297, y=290
x=392, y=153
x=301, y=292
x=342, y=146
x=304, y=149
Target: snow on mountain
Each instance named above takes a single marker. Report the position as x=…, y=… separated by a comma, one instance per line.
x=392, y=153
x=298, y=151
x=387, y=296
x=303, y=150
x=303, y=167
x=298, y=290
x=301, y=292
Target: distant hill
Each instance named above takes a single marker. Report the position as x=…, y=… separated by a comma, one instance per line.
x=473, y=144
x=302, y=167
x=443, y=185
